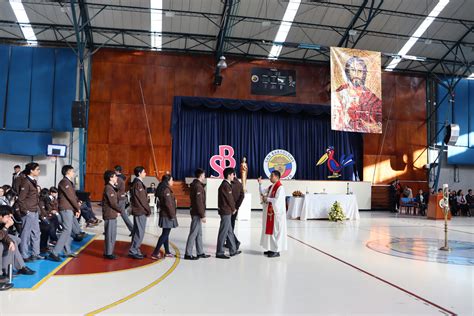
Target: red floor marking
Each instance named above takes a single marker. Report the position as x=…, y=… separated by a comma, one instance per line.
x=91, y=260
x=442, y=309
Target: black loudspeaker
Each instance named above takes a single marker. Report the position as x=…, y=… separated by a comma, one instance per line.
x=78, y=114
x=218, y=80
x=452, y=134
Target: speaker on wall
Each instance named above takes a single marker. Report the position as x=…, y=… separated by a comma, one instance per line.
x=78, y=114
x=452, y=134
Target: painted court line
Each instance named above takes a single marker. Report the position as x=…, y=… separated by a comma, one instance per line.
x=142, y=290
x=440, y=308
x=56, y=269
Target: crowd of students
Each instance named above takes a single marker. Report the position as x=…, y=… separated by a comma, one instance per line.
x=39, y=223
x=459, y=203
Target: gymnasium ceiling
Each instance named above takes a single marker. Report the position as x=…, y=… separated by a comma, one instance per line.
x=447, y=46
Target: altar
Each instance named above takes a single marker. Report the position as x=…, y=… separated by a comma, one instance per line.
x=361, y=190
x=317, y=206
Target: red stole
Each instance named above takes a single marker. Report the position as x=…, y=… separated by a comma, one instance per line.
x=270, y=213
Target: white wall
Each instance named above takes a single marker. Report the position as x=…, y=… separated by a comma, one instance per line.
x=463, y=178
x=46, y=178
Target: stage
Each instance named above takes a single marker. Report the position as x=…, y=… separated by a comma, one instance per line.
x=361, y=189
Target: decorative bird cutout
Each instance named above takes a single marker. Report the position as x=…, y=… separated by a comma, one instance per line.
x=334, y=166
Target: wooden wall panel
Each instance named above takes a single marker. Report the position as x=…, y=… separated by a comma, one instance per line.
x=117, y=127
x=392, y=154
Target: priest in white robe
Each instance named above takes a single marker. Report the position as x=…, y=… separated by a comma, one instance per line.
x=274, y=237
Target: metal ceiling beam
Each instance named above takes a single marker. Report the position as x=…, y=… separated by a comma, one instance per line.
x=373, y=12
x=345, y=38
x=224, y=27
x=335, y=28
x=327, y=3
x=86, y=23
x=450, y=50
x=191, y=40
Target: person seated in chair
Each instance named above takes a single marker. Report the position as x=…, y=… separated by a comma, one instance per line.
x=422, y=201
x=407, y=192
x=151, y=189
x=9, y=251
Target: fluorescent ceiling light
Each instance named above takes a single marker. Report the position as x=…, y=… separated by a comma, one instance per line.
x=284, y=28
x=23, y=20
x=418, y=33
x=156, y=23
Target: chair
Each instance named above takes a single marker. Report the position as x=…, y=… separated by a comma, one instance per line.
x=151, y=201
x=407, y=204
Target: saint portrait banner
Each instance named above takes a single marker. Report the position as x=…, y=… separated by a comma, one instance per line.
x=356, y=90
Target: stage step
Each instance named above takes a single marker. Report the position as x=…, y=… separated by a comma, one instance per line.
x=181, y=192
x=381, y=196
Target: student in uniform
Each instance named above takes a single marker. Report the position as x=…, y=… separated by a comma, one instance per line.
x=226, y=207
x=167, y=220
x=110, y=211
x=46, y=227
x=16, y=174
x=198, y=216
x=9, y=252
x=239, y=195
x=140, y=211
x=123, y=198
x=28, y=203
x=70, y=210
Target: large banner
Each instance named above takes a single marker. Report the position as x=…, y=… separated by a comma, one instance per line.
x=356, y=90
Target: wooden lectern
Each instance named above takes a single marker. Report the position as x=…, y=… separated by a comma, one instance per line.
x=434, y=210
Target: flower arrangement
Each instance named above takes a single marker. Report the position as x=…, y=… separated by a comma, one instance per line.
x=336, y=214
x=297, y=194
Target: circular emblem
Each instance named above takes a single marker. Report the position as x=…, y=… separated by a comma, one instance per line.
x=282, y=161
x=255, y=78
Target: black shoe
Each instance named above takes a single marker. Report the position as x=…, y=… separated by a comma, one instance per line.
x=37, y=257
x=54, y=257
x=78, y=238
x=28, y=259
x=222, y=257
x=3, y=279
x=186, y=257
x=72, y=255
x=5, y=286
x=273, y=254
x=26, y=271
x=203, y=256
x=238, y=252
x=266, y=253
x=110, y=257
x=138, y=257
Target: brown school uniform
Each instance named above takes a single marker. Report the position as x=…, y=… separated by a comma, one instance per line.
x=139, y=198
x=225, y=199
x=28, y=197
x=67, y=198
x=238, y=193
x=110, y=198
x=198, y=199
x=121, y=187
x=167, y=203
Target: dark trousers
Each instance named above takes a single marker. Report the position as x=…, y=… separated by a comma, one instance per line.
x=163, y=241
x=47, y=229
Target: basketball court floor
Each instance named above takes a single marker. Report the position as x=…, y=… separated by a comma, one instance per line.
x=382, y=264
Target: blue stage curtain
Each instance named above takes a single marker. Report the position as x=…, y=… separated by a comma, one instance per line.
x=253, y=129
x=37, y=87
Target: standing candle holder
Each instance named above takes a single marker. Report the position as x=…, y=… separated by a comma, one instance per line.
x=444, y=203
